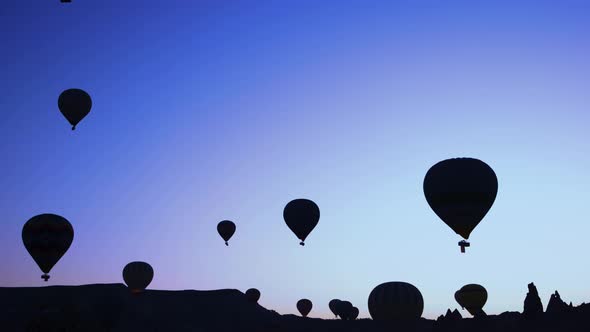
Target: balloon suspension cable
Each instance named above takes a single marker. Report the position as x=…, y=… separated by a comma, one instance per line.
x=226, y=243
x=45, y=277
x=463, y=244
x=301, y=243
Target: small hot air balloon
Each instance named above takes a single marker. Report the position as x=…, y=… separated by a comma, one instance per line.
x=137, y=276
x=47, y=237
x=472, y=297
x=461, y=191
x=74, y=104
x=253, y=295
x=304, y=307
x=333, y=305
x=226, y=229
x=344, y=310
x=395, y=300
x=301, y=216
x=354, y=313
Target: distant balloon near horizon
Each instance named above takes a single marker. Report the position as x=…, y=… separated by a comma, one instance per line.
x=354, y=314
x=304, y=307
x=344, y=309
x=74, y=104
x=226, y=230
x=461, y=191
x=301, y=216
x=333, y=305
x=47, y=237
x=395, y=300
x=253, y=295
x=137, y=276
x=472, y=297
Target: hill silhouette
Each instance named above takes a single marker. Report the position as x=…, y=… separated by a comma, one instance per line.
x=111, y=307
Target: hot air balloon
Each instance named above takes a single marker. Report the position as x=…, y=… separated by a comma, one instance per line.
x=461, y=191
x=226, y=229
x=47, y=237
x=137, y=276
x=74, y=104
x=344, y=309
x=301, y=216
x=333, y=304
x=354, y=313
x=472, y=297
x=395, y=300
x=304, y=307
x=253, y=295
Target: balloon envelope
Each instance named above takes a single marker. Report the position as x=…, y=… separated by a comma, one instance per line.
x=47, y=237
x=472, y=297
x=226, y=230
x=333, y=304
x=301, y=216
x=354, y=313
x=461, y=191
x=138, y=275
x=395, y=300
x=74, y=104
x=253, y=295
x=304, y=306
x=344, y=309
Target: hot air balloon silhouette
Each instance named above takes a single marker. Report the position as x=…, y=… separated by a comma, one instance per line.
x=253, y=295
x=74, y=104
x=304, y=306
x=395, y=300
x=472, y=297
x=354, y=313
x=226, y=229
x=344, y=309
x=47, y=237
x=461, y=191
x=137, y=276
x=301, y=216
x=333, y=305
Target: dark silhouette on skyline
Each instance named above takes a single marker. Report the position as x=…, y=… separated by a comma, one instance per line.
x=111, y=307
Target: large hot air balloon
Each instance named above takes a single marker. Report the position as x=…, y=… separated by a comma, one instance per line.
x=253, y=295
x=461, y=191
x=47, y=237
x=472, y=297
x=304, y=307
x=333, y=304
x=344, y=309
x=226, y=229
x=354, y=313
x=137, y=276
x=74, y=104
x=395, y=300
x=301, y=215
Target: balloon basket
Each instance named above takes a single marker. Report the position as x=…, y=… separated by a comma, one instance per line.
x=463, y=244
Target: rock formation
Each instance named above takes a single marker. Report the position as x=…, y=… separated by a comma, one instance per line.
x=532, y=303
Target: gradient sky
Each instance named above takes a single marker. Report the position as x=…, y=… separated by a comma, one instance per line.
x=212, y=110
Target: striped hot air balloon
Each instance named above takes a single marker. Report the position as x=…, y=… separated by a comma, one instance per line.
x=395, y=300
x=472, y=297
x=137, y=276
x=47, y=237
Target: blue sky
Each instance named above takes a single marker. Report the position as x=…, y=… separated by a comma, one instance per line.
x=230, y=109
